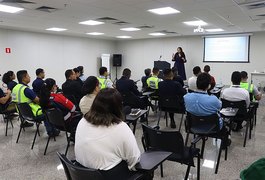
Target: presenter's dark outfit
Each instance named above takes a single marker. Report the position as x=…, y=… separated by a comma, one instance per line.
x=180, y=59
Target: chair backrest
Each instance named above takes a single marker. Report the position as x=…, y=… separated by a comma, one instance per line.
x=202, y=125
x=241, y=105
x=171, y=141
x=55, y=117
x=25, y=111
x=172, y=103
x=75, y=172
x=130, y=99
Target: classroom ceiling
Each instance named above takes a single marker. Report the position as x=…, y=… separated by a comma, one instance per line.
x=233, y=16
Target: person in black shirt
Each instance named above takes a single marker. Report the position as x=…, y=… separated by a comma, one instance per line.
x=170, y=88
x=4, y=99
x=177, y=77
x=147, y=73
x=38, y=82
x=8, y=79
x=71, y=88
x=77, y=74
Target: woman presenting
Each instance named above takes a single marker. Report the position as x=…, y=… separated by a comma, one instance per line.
x=180, y=58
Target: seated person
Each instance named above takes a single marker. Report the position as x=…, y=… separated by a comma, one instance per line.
x=236, y=93
x=4, y=99
x=77, y=74
x=147, y=73
x=90, y=89
x=176, y=76
x=170, y=88
x=251, y=88
x=103, y=140
x=50, y=99
x=71, y=88
x=8, y=79
x=21, y=93
x=129, y=91
x=37, y=83
x=192, y=80
x=153, y=81
x=207, y=69
x=81, y=70
x=103, y=79
x=199, y=103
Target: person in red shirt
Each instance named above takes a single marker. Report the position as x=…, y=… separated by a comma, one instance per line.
x=50, y=99
x=207, y=69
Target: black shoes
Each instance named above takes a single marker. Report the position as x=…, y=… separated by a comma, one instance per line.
x=26, y=124
x=226, y=144
x=172, y=124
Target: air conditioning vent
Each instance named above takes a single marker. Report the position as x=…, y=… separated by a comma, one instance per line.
x=121, y=23
x=145, y=27
x=46, y=9
x=107, y=19
x=18, y=1
x=168, y=32
x=256, y=6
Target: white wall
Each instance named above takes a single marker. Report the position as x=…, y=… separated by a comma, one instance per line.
x=140, y=54
x=53, y=53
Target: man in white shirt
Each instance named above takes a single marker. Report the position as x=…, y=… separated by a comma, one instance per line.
x=236, y=93
x=192, y=80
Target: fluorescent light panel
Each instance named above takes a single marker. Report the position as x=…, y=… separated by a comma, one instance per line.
x=56, y=29
x=95, y=33
x=157, y=34
x=195, y=23
x=130, y=29
x=91, y=22
x=164, y=11
x=214, y=30
x=123, y=37
x=10, y=9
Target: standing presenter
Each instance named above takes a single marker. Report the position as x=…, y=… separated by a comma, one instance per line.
x=180, y=58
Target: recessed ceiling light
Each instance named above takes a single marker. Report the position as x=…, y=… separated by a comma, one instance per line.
x=56, y=29
x=214, y=30
x=95, y=33
x=124, y=37
x=130, y=29
x=91, y=22
x=157, y=34
x=10, y=9
x=195, y=23
x=164, y=11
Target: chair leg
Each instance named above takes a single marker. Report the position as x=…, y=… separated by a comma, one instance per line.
x=225, y=153
x=159, y=116
x=219, y=156
x=6, y=125
x=198, y=167
x=11, y=123
x=187, y=138
x=203, y=145
x=166, y=119
x=246, y=134
x=161, y=170
x=18, y=134
x=47, y=144
x=187, y=173
x=68, y=143
x=181, y=121
x=37, y=124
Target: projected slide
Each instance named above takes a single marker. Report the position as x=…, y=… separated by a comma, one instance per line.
x=226, y=49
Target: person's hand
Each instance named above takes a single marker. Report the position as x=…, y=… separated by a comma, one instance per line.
x=8, y=92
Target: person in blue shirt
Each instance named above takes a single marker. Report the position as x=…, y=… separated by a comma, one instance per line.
x=38, y=82
x=8, y=79
x=199, y=103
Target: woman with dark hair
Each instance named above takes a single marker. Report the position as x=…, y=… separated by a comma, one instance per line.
x=8, y=79
x=104, y=141
x=90, y=89
x=180, y=58
x=50, y=99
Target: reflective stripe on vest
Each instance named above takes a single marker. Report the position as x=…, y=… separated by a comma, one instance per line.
x=102, y=82
x=18, y=96
x=152, y=82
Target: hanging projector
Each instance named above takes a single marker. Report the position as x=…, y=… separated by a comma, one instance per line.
x=199, y=29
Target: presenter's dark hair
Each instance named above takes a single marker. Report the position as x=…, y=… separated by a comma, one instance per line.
x=168, y=73
x=7, y=77
x=244, y=74
x=90, y=85
x=155, y=70
x=38, y=71
x=147, y=72
x=196, y=70
x=127, y=73
x=106, y=108
x=68, y=73
x=203, y=81
x=180, y=48
x=21, y=74
x=45, y=92
x=236, y=78
x=206, y=68
x=102, y=70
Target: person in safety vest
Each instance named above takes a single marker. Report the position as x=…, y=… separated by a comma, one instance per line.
x=251, y=88
x=21, y=93
x=104, y=81
x=153, y=81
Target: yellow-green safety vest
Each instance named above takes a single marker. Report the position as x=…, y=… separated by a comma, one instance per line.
x=18, y=96
x=247, y=86
x=152, y=82
x=102, y=82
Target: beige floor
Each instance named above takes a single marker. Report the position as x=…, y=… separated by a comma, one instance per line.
x=18, y=161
